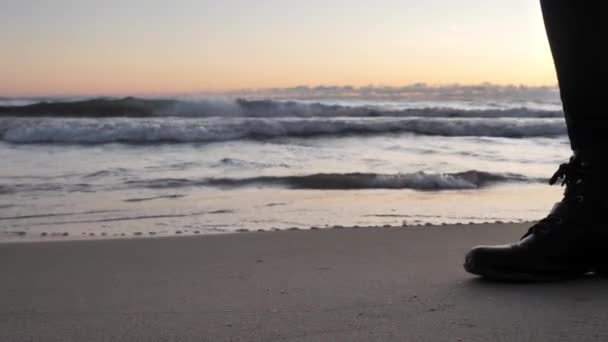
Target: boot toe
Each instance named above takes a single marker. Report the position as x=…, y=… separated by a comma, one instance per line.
x=479, y=259
x=494, y=261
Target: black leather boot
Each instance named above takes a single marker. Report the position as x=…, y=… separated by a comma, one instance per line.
x=568, y=243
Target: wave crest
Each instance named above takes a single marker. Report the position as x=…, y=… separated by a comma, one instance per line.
x=135, y=107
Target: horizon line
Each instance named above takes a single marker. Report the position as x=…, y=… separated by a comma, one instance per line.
x=260, y=90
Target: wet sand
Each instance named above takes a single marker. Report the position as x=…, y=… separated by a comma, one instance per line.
x=366, y=284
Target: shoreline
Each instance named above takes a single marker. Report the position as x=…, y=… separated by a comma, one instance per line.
x=20, y=237
x=367, y=284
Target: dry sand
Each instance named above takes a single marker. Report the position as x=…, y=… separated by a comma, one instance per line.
x=368, y=284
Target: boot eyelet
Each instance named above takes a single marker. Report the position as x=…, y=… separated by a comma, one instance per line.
x=580, y=199
x=579, y=181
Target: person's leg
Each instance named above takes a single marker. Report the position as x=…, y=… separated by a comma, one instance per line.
x=571, y=240
x=577, y=32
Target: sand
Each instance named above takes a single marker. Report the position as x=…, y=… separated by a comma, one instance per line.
x=367, y=284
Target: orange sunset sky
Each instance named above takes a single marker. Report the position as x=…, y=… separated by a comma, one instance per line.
x=183, y=46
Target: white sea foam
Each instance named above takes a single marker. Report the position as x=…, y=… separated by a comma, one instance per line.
x=157, y=130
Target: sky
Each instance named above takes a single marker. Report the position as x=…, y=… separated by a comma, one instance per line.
x=60, y=47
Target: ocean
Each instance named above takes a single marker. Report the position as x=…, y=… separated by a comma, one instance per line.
x=80, y=168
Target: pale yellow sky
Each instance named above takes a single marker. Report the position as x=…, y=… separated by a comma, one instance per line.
x=127, y=47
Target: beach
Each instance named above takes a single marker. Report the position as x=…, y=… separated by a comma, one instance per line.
x=350, y=284
x=206, y=219
x=300, y=171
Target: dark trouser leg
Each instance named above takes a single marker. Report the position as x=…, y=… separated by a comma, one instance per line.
x=571, y=241
x=577, y=31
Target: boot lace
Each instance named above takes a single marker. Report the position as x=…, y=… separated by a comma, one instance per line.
x=570, y=175
x=565, y=172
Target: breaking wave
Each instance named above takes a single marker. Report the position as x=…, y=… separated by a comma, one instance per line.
x=182, y=130
x=421, y=181
x=349, y=181
x=134, y=107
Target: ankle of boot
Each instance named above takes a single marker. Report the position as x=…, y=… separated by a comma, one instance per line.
x=594, y=161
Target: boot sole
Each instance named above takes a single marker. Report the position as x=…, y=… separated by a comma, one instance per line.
x=601, y=272
x=510, y=276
